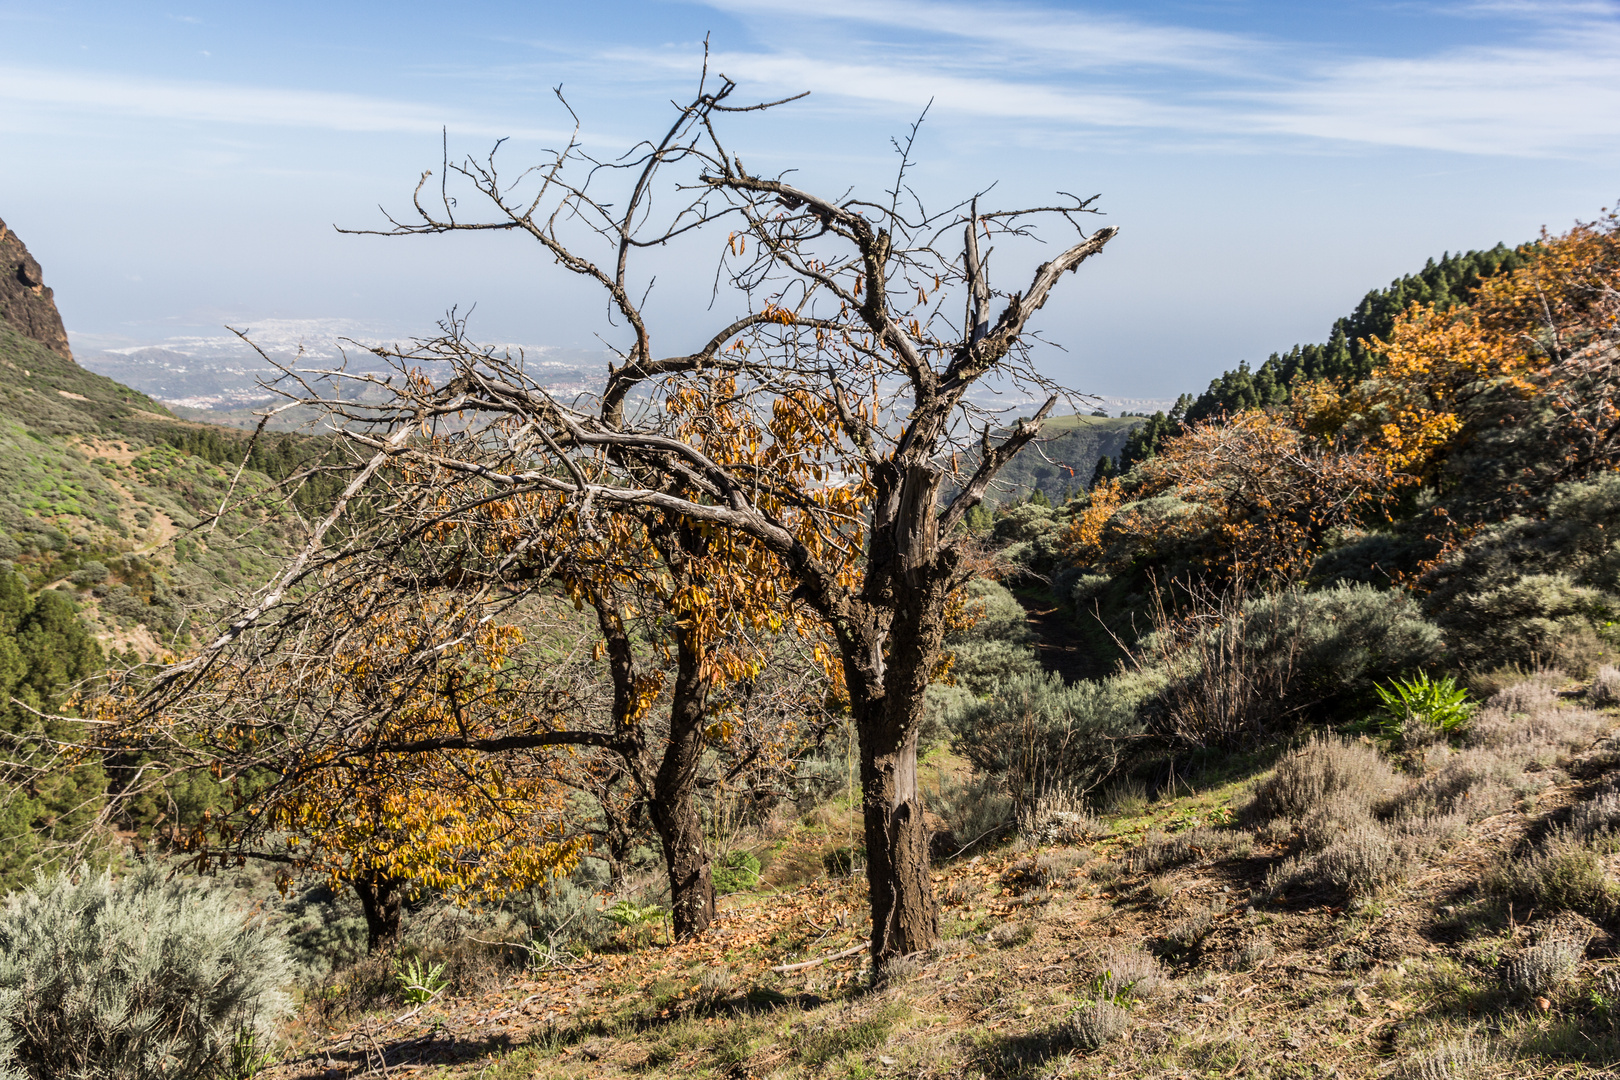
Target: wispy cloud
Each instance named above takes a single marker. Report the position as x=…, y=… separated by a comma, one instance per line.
x=223, y=103
x=1553, y=91
x=1065, y=38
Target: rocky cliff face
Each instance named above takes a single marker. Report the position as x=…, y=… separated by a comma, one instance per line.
x=25, y=302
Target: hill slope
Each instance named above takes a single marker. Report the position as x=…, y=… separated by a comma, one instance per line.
x=97, y=490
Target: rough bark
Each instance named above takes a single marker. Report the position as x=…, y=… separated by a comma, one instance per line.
x=382, y=904
x=675, y=812
x=912, y=578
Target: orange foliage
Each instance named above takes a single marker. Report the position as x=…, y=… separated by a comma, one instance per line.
x=1546, y=331
x=1262, y=492
x=475, y=826
x=1083, y=540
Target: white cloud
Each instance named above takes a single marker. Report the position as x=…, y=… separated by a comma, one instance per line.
x=222, y=103
x=1516, y=102
x=1066, y=38
x=1553, y=91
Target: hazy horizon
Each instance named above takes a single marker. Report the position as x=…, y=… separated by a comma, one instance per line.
x=176, y=170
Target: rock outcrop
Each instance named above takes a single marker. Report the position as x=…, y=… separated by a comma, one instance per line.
x=25, y=302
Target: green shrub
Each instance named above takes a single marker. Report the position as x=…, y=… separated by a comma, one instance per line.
x=1534, y=591
x=1339, y=641
x=736, y=871
x=1097, y=1023
x=996, y=647
x=1562, y=874
x=1239, y=671
x=639, y=919
x=1543, y=968
x=977, y=811
x=1039, y=734
x=144, y=977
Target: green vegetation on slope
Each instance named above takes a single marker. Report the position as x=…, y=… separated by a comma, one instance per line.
x=108, y=545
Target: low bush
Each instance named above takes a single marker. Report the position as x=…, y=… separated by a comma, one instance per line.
x=1543, y=968
x=1253, y=954
x=140, y=978
x=976, y=812
x=1040, y=734
x=1325, y=770
x=736, y=871
x=1360, y=861
x=1131, y=972
x=1604, y=692
x=1097, y=1023
x=1449, y=1059
x=1597, y=816
x=563, y=912
x=1526, y=721
x=1534, y=590
x=1239, y=671
x=1059, y=817
x=996, y=646
x=716, y=981
x=1158, y=851
x=1563, y=873
x=1188, y=931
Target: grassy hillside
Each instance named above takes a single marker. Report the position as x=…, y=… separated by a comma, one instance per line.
x=1165, y=938
x=99, y=492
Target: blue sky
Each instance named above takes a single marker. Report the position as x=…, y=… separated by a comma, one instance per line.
x=177, y=167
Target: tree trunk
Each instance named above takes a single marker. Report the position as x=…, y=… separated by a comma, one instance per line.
x=381, y=901
x=674, y=806
x=905, y=915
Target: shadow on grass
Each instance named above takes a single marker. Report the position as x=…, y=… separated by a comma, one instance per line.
x=1022, y=1057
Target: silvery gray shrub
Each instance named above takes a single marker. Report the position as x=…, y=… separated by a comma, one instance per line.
x=136, y=978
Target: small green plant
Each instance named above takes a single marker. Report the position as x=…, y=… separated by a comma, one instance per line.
x=247, y=1059
x=639, y=919
x=1420, y=705
x=420, y=983
x=736, y=871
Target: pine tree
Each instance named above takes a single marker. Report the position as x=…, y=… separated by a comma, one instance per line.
x=45, y=650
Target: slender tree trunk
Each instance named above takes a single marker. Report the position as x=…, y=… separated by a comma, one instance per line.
x=381, y=901
x=674, y=807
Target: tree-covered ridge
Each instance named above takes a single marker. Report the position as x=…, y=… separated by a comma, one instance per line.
x=1060, y=463
x=107, y=554
x=1346, y=356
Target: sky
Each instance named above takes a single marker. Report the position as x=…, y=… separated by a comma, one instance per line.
x=180, y=167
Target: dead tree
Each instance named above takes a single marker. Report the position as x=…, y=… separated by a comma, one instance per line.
x=857, y=331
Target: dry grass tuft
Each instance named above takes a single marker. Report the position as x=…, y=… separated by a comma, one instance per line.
x=1450, y=1059
x=716, y=981
x=1097, y=1023
x=1060, y=816
x=1132, y=972
x=1604, y=692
